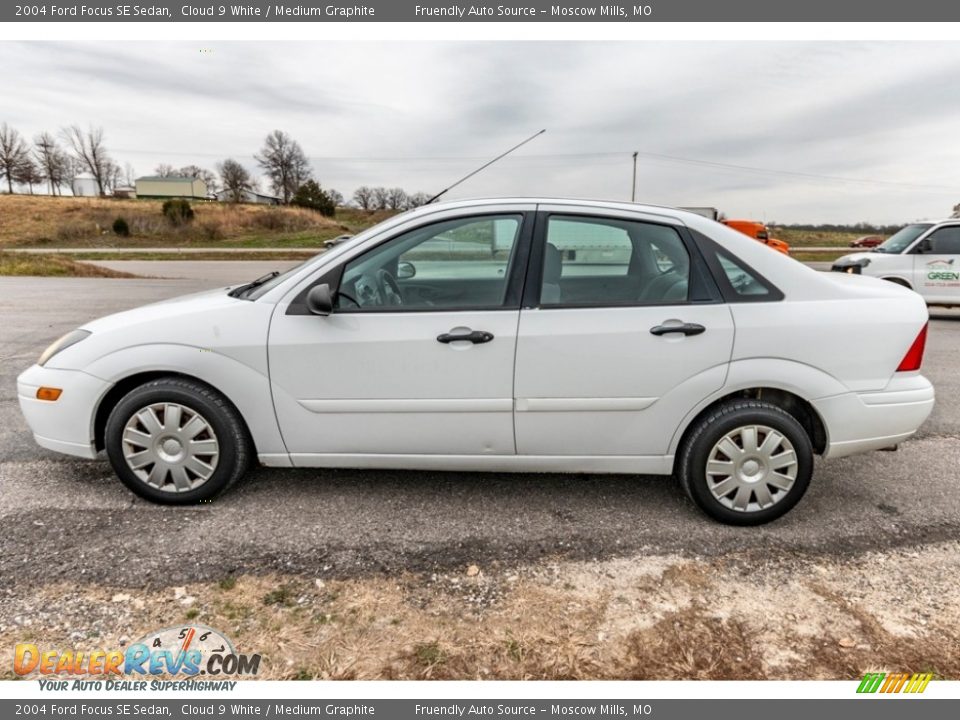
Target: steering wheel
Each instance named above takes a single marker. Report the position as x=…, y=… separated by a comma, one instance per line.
x=367, y=291
x=389, y=288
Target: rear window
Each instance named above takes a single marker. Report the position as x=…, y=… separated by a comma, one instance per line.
x=743, y=282
x=737, y=280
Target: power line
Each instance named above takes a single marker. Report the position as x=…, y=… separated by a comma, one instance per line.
x=893, y=184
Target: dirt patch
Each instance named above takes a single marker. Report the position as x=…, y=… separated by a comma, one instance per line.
x=744, y=616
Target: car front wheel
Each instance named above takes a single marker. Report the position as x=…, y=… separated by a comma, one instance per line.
x=746, y=462
x=176, y=441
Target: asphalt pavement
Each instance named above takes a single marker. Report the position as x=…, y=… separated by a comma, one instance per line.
x=65, y=519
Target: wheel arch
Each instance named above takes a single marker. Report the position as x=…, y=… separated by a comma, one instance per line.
x=897, y=280
x=243, y=382
x=798, y=407
x=126, y=384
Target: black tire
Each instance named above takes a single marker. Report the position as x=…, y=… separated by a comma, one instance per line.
x=708, y=430
x=235, y=447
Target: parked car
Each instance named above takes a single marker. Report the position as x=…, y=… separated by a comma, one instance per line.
x=336, y=241
x=924, y=257
x=867, y=241
x=502, y=335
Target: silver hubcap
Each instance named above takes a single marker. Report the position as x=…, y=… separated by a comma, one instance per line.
x=170, y=447
x=751, y=468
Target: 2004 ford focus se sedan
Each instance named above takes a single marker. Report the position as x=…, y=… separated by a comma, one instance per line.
x=503, y=335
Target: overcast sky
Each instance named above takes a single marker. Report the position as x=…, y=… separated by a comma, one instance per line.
x=819, y=132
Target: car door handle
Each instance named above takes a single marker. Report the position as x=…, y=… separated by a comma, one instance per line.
x=475, y=336
x=685, y=328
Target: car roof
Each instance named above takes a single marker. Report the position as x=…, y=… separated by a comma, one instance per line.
x=545, y=200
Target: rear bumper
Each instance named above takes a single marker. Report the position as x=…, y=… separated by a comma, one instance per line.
x=66, y=424
x=859, y=422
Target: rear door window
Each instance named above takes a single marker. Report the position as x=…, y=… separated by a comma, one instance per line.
x=591, y=261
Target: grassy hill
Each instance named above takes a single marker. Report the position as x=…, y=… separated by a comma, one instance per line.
x=77, y=223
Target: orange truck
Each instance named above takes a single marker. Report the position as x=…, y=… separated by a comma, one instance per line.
x=754, y=228
x=758, y=231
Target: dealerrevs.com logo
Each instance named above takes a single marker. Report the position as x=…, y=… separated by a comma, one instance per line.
x=903, y=682
x=178, y=651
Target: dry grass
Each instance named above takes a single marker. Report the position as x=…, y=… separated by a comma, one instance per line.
x=33, y=220
x=812, y=238
x=642, y=618
x=53, y=266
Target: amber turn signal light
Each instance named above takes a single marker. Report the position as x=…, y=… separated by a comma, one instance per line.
x=48, y=393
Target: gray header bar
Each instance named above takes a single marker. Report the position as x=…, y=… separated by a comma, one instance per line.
x=645, y=11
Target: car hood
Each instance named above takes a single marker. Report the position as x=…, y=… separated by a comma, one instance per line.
x=853, y=258
x=164, y=309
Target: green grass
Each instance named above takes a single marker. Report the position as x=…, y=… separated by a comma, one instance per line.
x=282, y=595
x=429, y=654
x=227, y=583
x=818, y=256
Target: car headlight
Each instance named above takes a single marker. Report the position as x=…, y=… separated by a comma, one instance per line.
x=850, y=266
x=71, y=338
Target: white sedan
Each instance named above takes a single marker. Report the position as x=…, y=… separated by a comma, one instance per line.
x=531, y=335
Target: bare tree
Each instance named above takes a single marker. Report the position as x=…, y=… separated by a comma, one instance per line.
x=396, y=198
x=112, y=177
x=13, y=153
x=283, y=161
x=336, y=197
x=164, y=170
x=236, y=180
x=194, y=172
x=363, y=197
x=28, y=173
x=380, y=198
x=53, y=162
x=71, y=168
x=129, y=175
x=417, y=199
x=91, y=153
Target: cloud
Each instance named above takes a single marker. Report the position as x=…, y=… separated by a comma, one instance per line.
x=757, y=128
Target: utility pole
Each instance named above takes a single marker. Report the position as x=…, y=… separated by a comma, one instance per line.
x=633, y=187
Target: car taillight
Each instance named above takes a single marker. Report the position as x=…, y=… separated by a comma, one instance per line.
x=914, y=357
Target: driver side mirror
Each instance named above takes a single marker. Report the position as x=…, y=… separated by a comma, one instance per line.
x=406, y=270
x=320, y=300
x=924, y=246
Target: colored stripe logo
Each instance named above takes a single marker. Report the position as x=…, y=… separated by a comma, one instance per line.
x=894, y=682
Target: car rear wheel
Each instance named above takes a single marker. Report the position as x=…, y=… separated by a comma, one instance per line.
x=746, y=462
x=176, y=441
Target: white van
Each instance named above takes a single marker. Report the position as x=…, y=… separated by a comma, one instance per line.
x=924, y=257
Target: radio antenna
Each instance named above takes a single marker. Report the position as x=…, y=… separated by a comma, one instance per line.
x=484, y=166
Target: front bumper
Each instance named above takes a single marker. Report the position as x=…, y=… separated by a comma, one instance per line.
x=65, y=425
x=859, y=422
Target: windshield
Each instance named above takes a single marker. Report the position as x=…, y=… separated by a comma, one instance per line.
x=900, y=241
